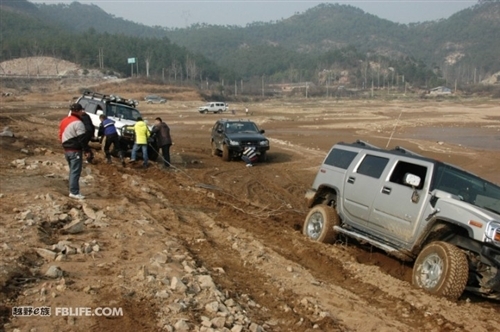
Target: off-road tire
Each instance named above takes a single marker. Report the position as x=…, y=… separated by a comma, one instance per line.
x=319, y=223
x=263, y=157
x=215, y=151
x=441, y=269
x=226, y=156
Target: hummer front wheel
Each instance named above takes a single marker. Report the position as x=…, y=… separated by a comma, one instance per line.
x=319, y=224
x=441, y=269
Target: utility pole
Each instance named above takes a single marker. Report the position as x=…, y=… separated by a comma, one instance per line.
x=262, y=85
x=101, y=58
x=327, y=84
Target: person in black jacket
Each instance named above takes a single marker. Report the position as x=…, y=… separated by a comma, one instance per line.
x=89, y=133
x=162, y=133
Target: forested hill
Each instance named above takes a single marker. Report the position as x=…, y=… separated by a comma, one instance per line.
x=469, y=38
x=320, y=29
x=326, y=37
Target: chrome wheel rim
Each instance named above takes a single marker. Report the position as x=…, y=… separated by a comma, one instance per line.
x=431, y=271
x=315, y=225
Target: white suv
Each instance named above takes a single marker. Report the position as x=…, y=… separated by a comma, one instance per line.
x=121, y=111
x=214, y=107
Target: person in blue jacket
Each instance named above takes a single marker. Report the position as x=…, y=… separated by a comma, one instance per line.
x=108, y=132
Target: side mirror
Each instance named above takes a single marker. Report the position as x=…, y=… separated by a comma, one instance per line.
x=262, y=131
x=412, y=180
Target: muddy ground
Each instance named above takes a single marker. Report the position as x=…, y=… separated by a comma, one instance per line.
x=240, y=226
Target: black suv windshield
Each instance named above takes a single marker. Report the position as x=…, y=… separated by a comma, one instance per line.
x=241, y=127
x=468, y=187
x=122, y=112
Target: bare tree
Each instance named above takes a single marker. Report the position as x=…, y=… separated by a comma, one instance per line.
x=27, y=60
x=176, y=69
x=57, y=59
x=147, y=59
x=191, y=69
x=37, y=53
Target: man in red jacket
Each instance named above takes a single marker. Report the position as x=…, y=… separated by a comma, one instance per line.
x=73, y=138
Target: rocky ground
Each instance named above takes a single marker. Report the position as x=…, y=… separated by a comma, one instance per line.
x=213, y=245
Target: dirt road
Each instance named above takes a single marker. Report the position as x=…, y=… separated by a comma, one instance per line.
x=161, y=235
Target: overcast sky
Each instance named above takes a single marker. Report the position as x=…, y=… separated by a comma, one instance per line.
x=183, y=13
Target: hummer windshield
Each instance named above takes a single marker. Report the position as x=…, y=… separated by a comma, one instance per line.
x=468, y=187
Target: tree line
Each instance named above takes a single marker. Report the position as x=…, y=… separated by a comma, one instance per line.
x=205, y=55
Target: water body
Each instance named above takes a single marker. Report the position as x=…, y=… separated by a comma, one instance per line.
x=471, y=137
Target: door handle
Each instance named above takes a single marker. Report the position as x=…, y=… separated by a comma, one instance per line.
x=386, y=190
x=351, y=179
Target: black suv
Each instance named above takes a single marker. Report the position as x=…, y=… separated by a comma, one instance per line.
x=231, y=137
x=121, y=111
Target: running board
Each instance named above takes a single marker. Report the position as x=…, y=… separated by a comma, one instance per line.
x=362, y=238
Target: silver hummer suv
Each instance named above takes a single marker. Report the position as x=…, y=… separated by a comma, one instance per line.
x=442, y=218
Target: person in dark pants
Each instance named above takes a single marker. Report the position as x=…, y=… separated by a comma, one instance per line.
x=162, y=133
x=89, y=133
x=107, y=129
x=73, y=139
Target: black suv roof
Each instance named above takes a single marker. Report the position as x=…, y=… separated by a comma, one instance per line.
x=234, y=120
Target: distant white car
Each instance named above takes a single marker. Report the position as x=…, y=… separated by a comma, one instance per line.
x=154, y=99
x=440, y=90
x=214, y=107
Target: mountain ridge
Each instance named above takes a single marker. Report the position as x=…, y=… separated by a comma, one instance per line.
x=453, y=48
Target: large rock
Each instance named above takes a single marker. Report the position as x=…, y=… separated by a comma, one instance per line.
x=46, y=254
x=74, y=227
x=54, y=272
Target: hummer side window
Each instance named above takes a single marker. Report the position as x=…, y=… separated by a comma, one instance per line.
x=340, y=158
x=372, y=166
x=402, y=168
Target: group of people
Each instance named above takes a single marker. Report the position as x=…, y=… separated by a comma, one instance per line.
x=77, y=130
x=160, y=131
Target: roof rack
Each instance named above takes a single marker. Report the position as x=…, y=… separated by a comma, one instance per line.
x=112, y=98
x=363, y=143
x=406, y=151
